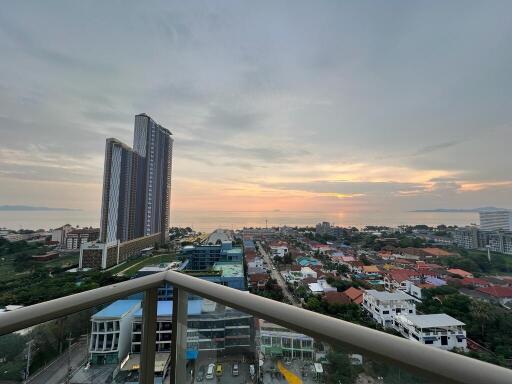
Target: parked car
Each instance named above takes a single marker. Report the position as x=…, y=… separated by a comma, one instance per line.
x=210, y=371
x=219, y=370
x=235, y=371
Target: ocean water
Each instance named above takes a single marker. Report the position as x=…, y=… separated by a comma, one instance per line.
x=210, y=220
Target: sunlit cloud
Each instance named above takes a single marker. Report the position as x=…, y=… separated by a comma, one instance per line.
x=262, y=119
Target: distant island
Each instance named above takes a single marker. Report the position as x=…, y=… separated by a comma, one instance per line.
x=32, y=208
x=447, y=210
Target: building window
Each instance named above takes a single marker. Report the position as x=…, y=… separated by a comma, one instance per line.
x=306, y=343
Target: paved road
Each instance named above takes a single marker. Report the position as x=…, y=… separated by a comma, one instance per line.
x=274, y=273
x=56, y=372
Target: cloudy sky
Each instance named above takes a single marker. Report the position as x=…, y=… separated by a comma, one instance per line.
x=315, y=105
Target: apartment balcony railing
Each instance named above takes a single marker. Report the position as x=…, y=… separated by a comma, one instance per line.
x=436, y=365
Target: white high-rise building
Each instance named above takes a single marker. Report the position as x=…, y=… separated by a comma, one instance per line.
x=493, y=220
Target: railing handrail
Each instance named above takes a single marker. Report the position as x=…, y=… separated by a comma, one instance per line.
x=53, y=309
x=442, y=365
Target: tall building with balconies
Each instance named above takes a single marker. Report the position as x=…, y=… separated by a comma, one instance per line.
x=496, y=219
x=137, y=183
x=153, y=144
x=116, y=222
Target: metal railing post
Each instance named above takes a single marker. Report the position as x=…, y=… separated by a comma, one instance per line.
x=179, y=336
x=147, y=356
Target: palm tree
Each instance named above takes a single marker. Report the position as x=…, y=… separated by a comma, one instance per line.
x=481, y=312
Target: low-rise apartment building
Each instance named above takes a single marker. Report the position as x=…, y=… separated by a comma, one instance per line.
x=438, y=330
x=110, y=332
x=384, y=306
x=204, y=256
x=77, y=237
x=210, y=327
x=279, y=341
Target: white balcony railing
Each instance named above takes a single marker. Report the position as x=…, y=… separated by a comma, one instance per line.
x=440, y=366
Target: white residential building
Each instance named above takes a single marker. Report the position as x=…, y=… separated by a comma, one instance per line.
x=257, y=262
x=308, y=272
x=321, y=287
x=12, y=237
x=59, y=234
x=493, y=220
x=412, y=289
x=384, y=306
x=500, y=241
x=110, y=333
x=278, y=250
x=438, y=330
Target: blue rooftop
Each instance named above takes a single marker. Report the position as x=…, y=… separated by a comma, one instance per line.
x=304, y=261
x=249, y=244
x=117, y=309
x=164, y=308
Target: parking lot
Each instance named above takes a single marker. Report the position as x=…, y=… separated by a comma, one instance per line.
x=201, y=365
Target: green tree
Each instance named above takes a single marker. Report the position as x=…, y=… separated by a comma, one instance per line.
x=341, y=371
x=11, y=345
x=314, y=304
x=481, y=312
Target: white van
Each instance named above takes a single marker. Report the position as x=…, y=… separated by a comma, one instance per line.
x=210, y=372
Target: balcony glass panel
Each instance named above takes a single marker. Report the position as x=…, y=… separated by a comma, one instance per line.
x=93, y=345
x=265, y=352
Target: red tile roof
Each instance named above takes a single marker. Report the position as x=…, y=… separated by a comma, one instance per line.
x=438, y=252
x=259, y=277
x=370, y=269
x=497, y=291
x=400, y=275
x=460, y=272
x=355, y=295
x=474, y=281
x=336, y=298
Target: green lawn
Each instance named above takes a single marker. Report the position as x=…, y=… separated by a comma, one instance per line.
x=132, y=266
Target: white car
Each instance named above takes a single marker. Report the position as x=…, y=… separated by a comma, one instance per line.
x=210, y=372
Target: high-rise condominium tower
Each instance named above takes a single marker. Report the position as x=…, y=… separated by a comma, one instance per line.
x=137, y=183
x=496, y=219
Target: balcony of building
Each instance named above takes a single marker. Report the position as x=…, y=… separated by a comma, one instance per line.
x=281, y=344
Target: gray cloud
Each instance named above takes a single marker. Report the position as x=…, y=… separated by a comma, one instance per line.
x=347, y=187
x=436, y=147
x=320, y=83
